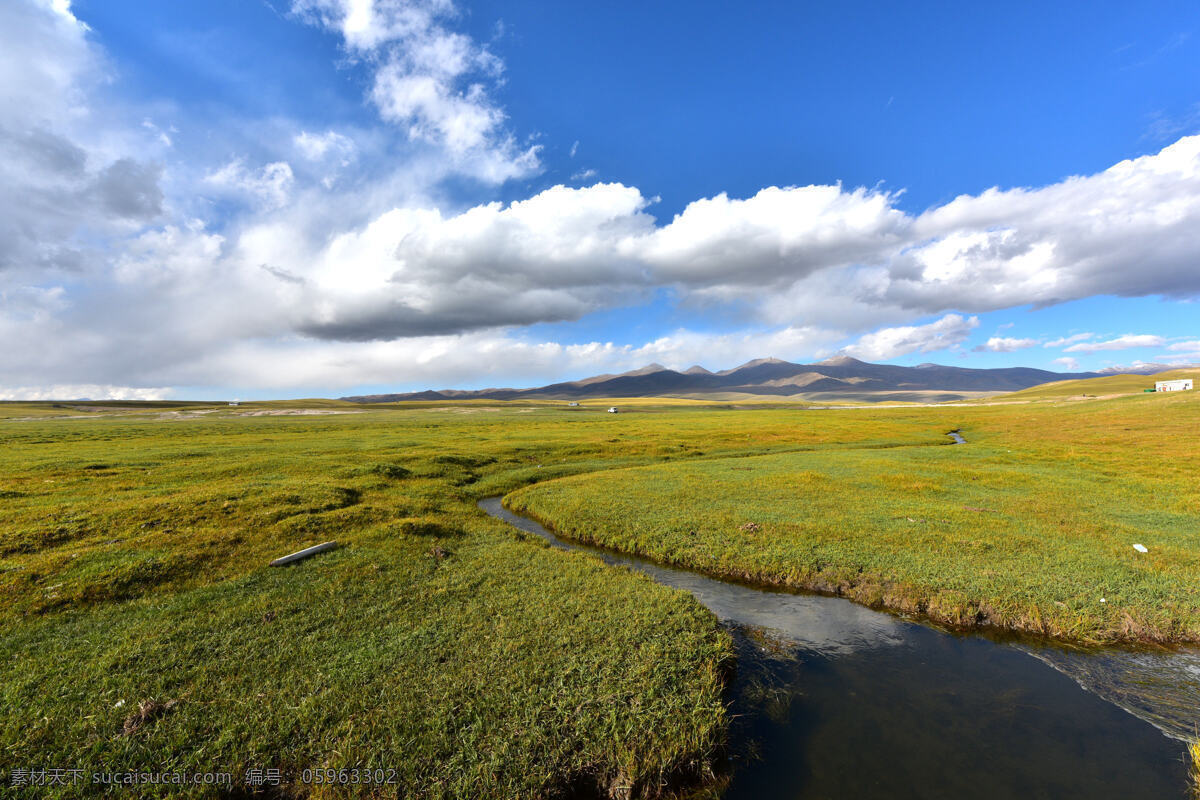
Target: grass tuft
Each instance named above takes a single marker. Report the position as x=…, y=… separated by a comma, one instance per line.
x=1194, y=752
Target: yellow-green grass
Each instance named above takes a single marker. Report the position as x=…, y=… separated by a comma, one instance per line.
x=1194, y=752
x=108, y=408
x=1030, y=526
x=478, y=662
x=475, y=662
x=1100, y=387
x=436, y=641
x=604, y=403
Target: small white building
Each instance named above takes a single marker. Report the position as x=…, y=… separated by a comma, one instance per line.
x=234, y=403
x=612, y=410
x=572, y=404
x=1173, y=386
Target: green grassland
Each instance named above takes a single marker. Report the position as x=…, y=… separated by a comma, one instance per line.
x=1026, y=527
x=141, y=628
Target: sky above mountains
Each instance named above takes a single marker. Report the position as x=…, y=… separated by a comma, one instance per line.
x=330, y=197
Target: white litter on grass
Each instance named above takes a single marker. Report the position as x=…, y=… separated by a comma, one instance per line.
x=118, y=704
x=1102, y=600
x=1141, y=548
x=300, y=555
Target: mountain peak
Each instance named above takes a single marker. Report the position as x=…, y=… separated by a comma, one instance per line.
x=841, y=361
x=759, y=362
x=696, y=369
x=649, y=369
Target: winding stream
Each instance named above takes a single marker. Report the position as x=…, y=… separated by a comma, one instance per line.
x=834, y=700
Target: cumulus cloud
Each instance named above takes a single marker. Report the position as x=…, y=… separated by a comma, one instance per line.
x=1068, y=363
x=949, y=331
x=1129, y=230
x=567, y=251
x=776, y=235
x=1119, y=343
x=1006, y=344
x=62, y=191
x=44, y=52
x=554, y=256
x=1192, y=346
x=792, y=255
x=429, y=79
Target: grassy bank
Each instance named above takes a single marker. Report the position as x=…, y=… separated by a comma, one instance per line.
x=1030, y=526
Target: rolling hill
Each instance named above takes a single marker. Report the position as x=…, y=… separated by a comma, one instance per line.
x=1102, y=386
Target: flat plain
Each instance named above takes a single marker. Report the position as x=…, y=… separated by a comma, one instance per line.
x=140, y=625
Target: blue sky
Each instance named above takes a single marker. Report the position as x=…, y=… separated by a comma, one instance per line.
x=324, y=197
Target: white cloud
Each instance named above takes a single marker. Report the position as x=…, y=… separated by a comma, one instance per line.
x=66, y=186
x=1119, y=343
x=1065, y=340
x=1007, y=344
x=85, y=391
x=583, y=175
x=795, y=252
x=777, y=235
x=554, y=256
x=798, y=255
x=430, y=80
x=1067, y=363
x=1080, y=237
x=158, y=132
x=270, y=185
x=330, y=144
x=949, y=331
x=1188, y=347
x=43, y=53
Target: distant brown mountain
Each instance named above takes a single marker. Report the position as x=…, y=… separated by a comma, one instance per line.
x=835, y=378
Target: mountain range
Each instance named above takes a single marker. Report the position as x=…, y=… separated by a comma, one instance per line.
x=840, y=378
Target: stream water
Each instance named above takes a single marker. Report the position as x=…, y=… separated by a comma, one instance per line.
x=834, y=700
